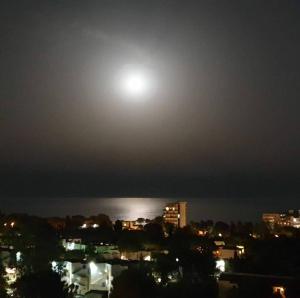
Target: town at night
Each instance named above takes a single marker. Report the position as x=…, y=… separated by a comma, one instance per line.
x=149, y=149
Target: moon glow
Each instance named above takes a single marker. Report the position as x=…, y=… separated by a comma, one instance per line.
x=135, y=84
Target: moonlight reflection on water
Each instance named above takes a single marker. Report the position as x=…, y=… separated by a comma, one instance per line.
x=115, y=208
x=131, y=208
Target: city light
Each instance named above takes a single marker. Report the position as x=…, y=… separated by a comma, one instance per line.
x=70, y=245
x=242, y=248
x=150, y=149
x=18, y=256
x=54, y=266
x=10, y=270
x=220, y=265
x=279, y=290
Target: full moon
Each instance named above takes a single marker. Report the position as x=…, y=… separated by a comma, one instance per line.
x=134, y=84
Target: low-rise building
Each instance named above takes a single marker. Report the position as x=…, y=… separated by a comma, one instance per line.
x=88, y=277
x=229, y=252
x=132, y=225
x=223, y=253
x=273, y=219
x=288, y=219
x=105, y=250
x=141, y=255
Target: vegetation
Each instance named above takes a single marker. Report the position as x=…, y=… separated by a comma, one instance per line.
x=46, y=284
x=183, y=262
x=134, y=283
x=3, y=283
x=34, y=239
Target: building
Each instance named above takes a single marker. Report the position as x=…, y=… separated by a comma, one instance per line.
x=292, y=218
x=288, y=219
x=88, y=276
x=105, y=250
x=237, y=283
x=175, y=213
x=90, y=279
x=229, y=252
x=273, y=219
x=134, y=225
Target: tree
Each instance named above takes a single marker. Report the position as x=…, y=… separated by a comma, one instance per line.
x=102, y=220
x=134, y=283
x=131, y=240
x=3, y=284
x=90, y=251
x=72, y=223
x=187, y=289
x=221, y=228
x=180, y=242
x=46, y=284
x=164, y=266
x=118, y=227
x=159, y=220
x=169, y=228
x=154, y=232
x=35, y=239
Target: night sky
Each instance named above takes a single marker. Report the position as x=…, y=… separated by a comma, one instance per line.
x=222, y=117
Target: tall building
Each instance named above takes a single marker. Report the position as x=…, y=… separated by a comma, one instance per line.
x=175, y=213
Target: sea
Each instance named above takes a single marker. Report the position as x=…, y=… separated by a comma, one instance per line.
x=127, y=208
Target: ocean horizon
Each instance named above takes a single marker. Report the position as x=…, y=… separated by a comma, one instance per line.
x=130, y=208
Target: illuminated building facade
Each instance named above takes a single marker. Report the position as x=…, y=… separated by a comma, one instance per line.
x=88, y=276
x=273, y=219
x=133, y=224
x=175, y=213
x=289, y=219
